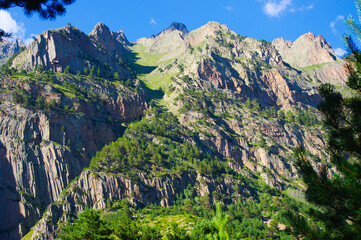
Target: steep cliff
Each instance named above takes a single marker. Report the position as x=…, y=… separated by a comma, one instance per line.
x=44, y=146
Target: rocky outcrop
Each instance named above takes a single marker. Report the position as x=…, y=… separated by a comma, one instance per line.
x=333, y=72
x=7, y=49
x=96, y=189
x=307, y=50
x=56, y=49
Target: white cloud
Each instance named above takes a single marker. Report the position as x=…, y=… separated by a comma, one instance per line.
x=152, y=21
x=229, y=8
x=274, y=8
x=309, y=7
x=333, y=23
x=340, y=52
x=8, y=24
x=27, y=41
x=303, y=8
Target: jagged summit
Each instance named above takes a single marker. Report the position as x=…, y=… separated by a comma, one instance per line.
x=307, y=50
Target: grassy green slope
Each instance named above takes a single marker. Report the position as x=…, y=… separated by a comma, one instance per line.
x=145, y=64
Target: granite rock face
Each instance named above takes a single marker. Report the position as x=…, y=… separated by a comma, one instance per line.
x=42, y=151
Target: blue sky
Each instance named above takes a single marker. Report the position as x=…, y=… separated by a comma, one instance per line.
x=261, y=19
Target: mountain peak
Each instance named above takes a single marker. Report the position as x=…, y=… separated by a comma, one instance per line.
x=100, y=28
x=309, y=36
x=173, y=27
x=178, y=26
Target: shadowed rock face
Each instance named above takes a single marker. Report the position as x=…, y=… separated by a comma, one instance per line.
x=42, y=151
x=307, y=50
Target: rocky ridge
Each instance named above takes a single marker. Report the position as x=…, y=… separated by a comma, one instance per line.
x=56, y=49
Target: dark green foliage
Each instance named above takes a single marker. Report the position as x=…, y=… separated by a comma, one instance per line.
x=39, y=69
x=177, y=233
x=150, y=233
x=180, y=67
x=88, y=226
x=202, y=230
x=169, y=153
x=92, y=72
x=125, y=228
x=337, y=196
x=4, y=35
x=200, y=101
x=47, y=9
x=116, y=76
x=39, y=102
x=67, y=69
x=20, y=96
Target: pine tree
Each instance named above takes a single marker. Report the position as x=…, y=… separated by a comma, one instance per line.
x=220, y=223
x=89, y=226
x=337, y=196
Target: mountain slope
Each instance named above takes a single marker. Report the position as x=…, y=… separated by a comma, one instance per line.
x=223, y=111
